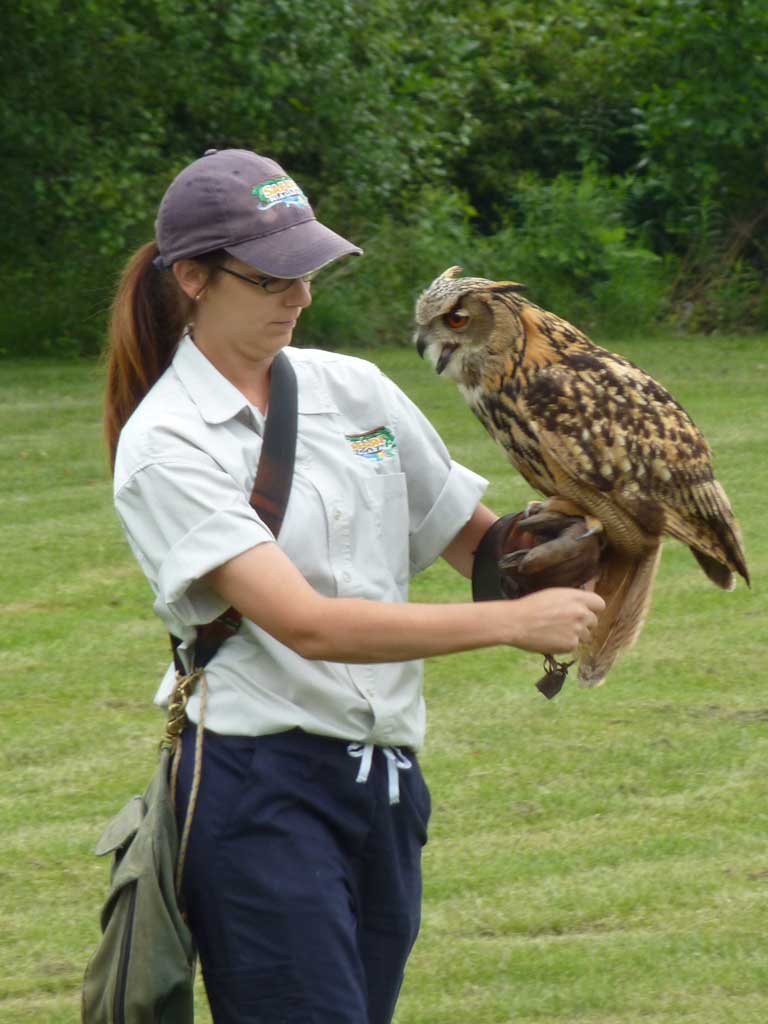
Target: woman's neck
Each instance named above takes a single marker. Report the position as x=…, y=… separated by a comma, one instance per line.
x=247, y=368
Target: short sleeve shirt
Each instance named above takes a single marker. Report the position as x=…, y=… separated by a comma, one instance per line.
x=375, y=499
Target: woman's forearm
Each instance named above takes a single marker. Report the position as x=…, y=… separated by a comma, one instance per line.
x=265, y=586
x=350, y=630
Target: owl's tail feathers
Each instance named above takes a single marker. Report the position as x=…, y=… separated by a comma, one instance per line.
x=713, y=535
x=725, y=556
x=625, y=585
x=720, y=574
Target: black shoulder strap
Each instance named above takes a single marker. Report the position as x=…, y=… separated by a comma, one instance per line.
x=272, y=486
x=269, y=497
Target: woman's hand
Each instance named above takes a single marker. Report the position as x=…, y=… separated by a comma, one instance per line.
x=553, y=621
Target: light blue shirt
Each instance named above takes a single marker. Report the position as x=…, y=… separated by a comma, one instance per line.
x=375, y=499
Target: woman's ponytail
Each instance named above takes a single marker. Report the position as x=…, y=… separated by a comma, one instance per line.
x=147, y=318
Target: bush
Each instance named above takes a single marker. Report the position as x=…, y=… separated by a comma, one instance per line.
x=403, y=119
x=369, y=301
x=567, y=241
x=564, y=240
x=56, y=306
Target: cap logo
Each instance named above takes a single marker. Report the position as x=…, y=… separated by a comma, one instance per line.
x=279, y=190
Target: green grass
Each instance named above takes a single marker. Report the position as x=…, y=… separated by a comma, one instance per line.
x=598, y=859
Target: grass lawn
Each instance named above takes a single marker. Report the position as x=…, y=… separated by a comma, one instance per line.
x=598, y=859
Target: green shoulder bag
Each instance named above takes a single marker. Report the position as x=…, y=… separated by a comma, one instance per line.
x=144, y=967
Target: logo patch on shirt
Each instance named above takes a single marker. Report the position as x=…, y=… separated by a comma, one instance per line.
x=279, y=190
x=376, y=445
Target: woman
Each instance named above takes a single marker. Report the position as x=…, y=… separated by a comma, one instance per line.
x=302, y=879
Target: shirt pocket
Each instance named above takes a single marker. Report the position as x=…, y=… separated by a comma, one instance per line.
x=387, y=496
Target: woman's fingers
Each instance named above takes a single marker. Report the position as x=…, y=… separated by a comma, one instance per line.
x=556, y=620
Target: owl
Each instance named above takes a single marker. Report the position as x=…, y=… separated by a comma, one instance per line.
x=593, y=433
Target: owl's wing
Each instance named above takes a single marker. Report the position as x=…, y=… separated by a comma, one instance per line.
x=606, y=426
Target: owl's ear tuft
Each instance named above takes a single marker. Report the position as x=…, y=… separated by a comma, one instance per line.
x=451, y=274
x=502, y=287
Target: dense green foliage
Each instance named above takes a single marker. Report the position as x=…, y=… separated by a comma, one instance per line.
x=613, y=154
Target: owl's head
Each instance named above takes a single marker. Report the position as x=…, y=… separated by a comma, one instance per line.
x=460, y=320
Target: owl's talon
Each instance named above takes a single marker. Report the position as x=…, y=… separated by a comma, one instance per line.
x=532, y=508
x=594, y=526
x=512, y=559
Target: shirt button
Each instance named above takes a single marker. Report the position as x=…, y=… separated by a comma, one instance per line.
x=337, y=515
x=346, y=577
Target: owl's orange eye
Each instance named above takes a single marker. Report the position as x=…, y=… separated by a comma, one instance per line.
x=457, y=318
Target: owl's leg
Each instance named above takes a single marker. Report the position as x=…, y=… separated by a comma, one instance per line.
x=565, y=507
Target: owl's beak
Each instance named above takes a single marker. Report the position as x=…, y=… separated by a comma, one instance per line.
x=421, y=345
x=445, y=357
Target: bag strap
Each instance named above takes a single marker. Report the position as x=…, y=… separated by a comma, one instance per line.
x=271, y=490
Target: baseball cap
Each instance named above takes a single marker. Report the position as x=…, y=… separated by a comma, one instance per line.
x=235, y=200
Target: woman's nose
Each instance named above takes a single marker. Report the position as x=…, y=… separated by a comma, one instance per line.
x=299, y=294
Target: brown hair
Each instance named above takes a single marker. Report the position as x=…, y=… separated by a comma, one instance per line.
x=147, y=317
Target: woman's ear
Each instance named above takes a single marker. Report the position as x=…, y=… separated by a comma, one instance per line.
x=191, y=276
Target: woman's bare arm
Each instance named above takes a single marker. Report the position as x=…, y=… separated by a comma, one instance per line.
x=460, y=553
x=265, y=586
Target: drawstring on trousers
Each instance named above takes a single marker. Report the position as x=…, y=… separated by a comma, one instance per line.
x=396, y=762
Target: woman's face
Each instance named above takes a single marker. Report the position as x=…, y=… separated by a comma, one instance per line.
x=242, y=314
x=245, y=307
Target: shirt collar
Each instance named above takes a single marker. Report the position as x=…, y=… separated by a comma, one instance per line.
x=218, y=400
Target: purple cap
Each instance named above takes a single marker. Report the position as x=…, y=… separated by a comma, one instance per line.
x=235, y=200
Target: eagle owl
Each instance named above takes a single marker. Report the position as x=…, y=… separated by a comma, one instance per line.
x=586, y=428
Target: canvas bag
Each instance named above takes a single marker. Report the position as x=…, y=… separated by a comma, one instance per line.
x=144, y=967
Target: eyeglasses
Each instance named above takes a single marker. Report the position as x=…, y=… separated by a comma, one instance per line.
x=273, y=285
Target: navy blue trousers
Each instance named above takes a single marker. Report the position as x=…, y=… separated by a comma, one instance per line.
x=302, y=886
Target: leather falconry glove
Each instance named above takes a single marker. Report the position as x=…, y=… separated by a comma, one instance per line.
x=520, y=554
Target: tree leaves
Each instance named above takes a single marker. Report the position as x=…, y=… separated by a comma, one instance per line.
x=369, y=104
